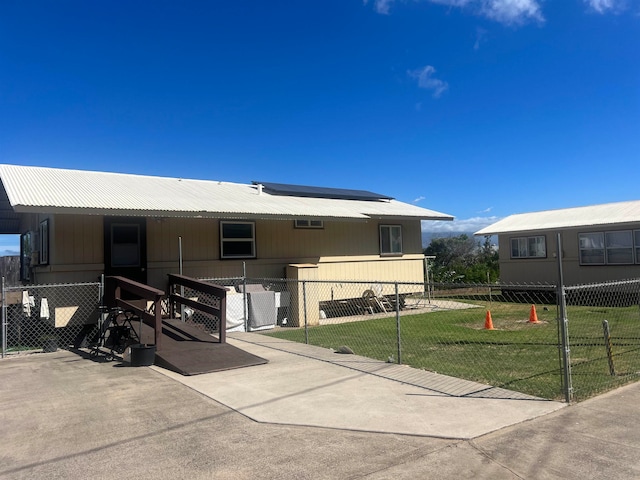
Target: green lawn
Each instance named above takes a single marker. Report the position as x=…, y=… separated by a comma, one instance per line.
x=517, y=355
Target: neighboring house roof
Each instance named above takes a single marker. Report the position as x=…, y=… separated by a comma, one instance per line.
x=595, y=215
x=52, y=190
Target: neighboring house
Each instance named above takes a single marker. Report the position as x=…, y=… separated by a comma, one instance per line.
x=599, y=243
x=77, y=225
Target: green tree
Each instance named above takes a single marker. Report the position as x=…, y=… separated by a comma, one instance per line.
x=462, y=259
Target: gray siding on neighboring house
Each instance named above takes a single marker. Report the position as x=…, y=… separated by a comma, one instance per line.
x=570, y=223
x=545, y=270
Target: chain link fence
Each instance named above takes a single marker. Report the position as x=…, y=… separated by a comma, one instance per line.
x=569, y=343
x=604, y=336
x=483, y=333
x=508, y=336
x=47, y=317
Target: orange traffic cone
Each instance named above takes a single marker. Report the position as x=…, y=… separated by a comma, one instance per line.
x=488, y=323
x=533, y=316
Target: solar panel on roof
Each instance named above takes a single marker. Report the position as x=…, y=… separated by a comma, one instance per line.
x=320, y=192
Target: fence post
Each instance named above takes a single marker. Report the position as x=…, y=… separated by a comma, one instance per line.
x=398, y=332
x=564, y=327
x=245, y=297
x=304, y=308
x=4, y=321
x=609, y=347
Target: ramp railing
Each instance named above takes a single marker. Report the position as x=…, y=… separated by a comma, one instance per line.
x=215, y=295
x=146, y=305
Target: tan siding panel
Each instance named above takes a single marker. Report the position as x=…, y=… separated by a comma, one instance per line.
x=343, y=250
x=77, y=239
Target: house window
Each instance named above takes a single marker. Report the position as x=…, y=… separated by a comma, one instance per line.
x=26, y=250
x=125, y=245
x=529, y=247
x=306, y=223
x=609, y=248
x=44, y=242
x=591, y=248
x=619, y=247
x=390, y=240
x=237, y=240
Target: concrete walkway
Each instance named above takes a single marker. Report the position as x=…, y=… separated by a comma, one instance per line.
x=312, y=386
x=63, y=415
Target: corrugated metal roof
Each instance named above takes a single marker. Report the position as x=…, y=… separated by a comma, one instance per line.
x=52, y=190
x=605, y=214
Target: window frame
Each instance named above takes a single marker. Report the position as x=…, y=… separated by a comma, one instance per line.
x=224, y=241
x=611, y=249
x=607, y=250
x=44, y=242
x=389, y=240
x=308, y=223
x=26, y=253
x=526, y=241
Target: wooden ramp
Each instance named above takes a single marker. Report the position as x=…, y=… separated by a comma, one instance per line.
x=189, y=350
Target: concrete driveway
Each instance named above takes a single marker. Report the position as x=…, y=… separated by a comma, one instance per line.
x=66, y=416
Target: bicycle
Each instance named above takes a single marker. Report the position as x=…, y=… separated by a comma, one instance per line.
x=116, y=332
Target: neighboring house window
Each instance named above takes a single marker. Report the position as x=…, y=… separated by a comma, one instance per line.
x=390, y=239
x=609, y=248
x=591, y=248
x=529, y=247
x=619, y=247
x=306, y=223
x=237, y=240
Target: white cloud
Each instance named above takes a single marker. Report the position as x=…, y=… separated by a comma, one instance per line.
x=426, y=80
x=481, y=34
x=419, y=199
x=9, y=245
x=603, y=6
x=381, y=6
x=486, y=210
x=459, y=226
x=510, y=12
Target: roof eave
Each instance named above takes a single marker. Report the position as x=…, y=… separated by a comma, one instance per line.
x=209, y=214
x=555, y=228
x=58, y=210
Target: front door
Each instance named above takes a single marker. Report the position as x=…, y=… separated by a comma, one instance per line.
x=125, y=247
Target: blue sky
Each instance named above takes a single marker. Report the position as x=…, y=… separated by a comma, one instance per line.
x=475, y=108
